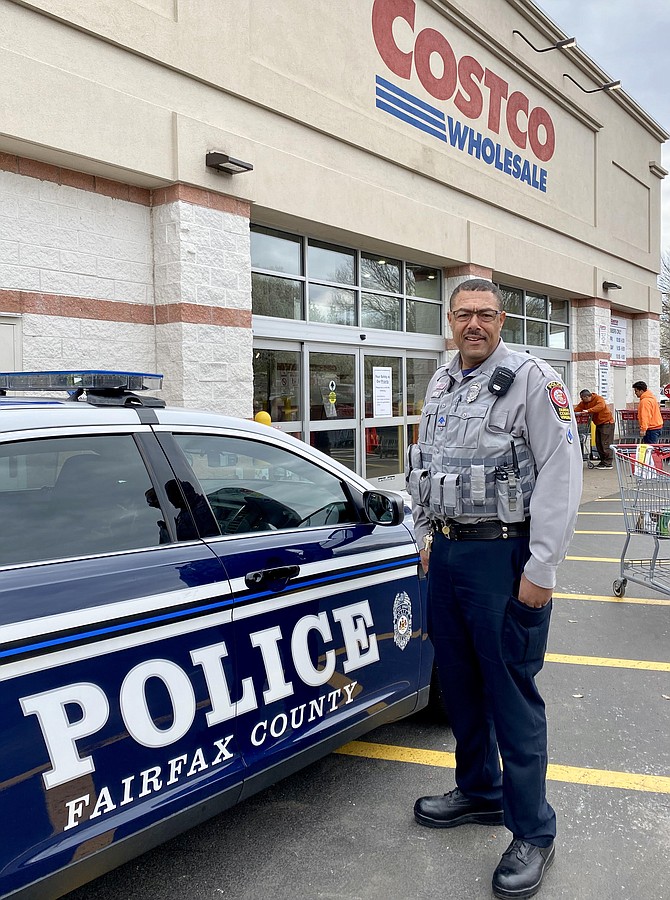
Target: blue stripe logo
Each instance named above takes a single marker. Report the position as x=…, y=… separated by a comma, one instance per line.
x=410, y=109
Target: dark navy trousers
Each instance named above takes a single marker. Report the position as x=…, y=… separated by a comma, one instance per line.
x=488, y=648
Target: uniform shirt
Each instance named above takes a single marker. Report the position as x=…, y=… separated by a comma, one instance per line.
x=600, y=411
x=536, y=412
x=649, y=412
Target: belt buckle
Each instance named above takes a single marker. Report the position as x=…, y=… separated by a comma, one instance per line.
x=446, y=530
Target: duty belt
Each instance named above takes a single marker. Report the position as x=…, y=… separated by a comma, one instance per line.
x=491, y=530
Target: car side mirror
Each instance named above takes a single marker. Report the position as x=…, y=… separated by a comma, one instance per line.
x=384, y=507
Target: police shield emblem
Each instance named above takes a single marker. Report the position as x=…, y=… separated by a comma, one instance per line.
x=402, y=620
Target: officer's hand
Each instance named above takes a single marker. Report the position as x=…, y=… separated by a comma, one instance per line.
x=532, y=594
x=425, y=559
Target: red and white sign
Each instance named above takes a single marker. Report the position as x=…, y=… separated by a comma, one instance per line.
x=666, y=390
x=474, y=89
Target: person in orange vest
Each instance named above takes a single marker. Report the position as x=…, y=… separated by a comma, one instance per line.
x=648, y=414
x=602, y=418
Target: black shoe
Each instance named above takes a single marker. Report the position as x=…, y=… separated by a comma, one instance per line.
x=454, y=809
x=521, y=870
x=604, y=465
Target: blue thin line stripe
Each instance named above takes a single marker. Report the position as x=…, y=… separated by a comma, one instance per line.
x=410, y=121
x=408, y=108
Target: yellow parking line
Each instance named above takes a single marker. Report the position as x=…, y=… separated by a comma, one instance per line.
x=600, y=532
x=647, y=665
x=657, y=784
x=639, y=600
x=614, y=559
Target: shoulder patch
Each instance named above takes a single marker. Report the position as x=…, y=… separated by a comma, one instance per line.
x=559, y=401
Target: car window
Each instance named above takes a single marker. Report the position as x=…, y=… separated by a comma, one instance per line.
x=73, y=496
x=253, y=486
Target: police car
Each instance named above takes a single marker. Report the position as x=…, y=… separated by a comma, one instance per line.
x=192, y=606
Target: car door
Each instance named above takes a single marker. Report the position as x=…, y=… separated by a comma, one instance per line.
x=327, y=614
x=115, y=658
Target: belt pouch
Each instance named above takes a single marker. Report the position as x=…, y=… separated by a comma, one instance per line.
x=509, y=498
x=418, y=486
x=445, y=496
x=477, y=485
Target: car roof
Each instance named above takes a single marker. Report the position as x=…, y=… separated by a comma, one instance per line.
x=22, y=414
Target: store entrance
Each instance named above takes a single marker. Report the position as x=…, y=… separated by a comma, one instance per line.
x=359, y=406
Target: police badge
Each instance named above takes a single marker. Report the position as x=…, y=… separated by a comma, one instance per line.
x=473, y=392
x=402, y=620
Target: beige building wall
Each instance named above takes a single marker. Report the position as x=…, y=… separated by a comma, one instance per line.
x=138, y=92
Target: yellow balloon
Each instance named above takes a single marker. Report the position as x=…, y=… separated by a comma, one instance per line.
x=263, y=418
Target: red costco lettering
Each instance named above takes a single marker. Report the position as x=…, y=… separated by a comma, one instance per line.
x=466, y=78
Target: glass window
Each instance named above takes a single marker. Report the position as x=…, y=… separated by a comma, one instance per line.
x=536, y=333
x=326, y=262
x=559, y=310
x=76, y=496
x=512, y=330
x=339, y=443
x=346, y=287
x=276, y=251
x=277, y=384
x=380, y=274
x=424, y=318
x=332, y=305
x=512, y=300
x=380, y=311
x=536, y=306
x=419, y=373
x=422, y=281
x=279, y=297
x=253, y=486
x=558, y=337
x=383, y=451
x=378, y=392
x=331, y=386
x=534, y=313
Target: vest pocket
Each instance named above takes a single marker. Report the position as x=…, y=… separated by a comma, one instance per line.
x=445, y=496
x=427, y=423
x=509, y=497
x=418, y=486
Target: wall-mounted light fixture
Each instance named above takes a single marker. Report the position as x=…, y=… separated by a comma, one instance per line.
x=226, y=164
x=565, y=44
x=611, y=286
x=610, y=86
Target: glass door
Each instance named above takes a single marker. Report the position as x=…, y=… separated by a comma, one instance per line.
x=361, y=407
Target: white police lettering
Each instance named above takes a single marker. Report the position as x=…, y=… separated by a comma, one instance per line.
x=69, y=713
x=150, y=781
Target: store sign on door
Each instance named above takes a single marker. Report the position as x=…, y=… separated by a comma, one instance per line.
x=604, y=378
x=382, y=391
x=618, y=341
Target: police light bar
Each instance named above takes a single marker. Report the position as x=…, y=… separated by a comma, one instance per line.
x=81, y=380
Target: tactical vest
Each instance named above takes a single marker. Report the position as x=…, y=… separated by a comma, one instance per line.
x=467, y=465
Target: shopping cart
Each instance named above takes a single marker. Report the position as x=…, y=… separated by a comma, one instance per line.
x=643, y=471
x=584, y=431
x=628, y=425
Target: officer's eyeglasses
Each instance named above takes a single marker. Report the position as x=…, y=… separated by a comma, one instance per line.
x=484, y=315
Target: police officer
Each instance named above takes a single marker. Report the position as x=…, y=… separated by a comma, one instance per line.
x=495, y=482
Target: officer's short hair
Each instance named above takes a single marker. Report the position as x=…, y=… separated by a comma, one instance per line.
x=640, y=386
x=477, y=284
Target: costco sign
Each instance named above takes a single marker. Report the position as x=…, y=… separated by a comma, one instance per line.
x=474, y=90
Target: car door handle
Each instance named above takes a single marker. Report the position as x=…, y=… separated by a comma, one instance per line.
x=271, y=576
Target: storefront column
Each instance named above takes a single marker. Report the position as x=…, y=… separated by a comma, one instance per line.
x=202, y=272
x=646, y=329
x=590, y=335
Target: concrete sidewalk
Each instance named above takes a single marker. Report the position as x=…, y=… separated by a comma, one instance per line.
x=599, y=483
